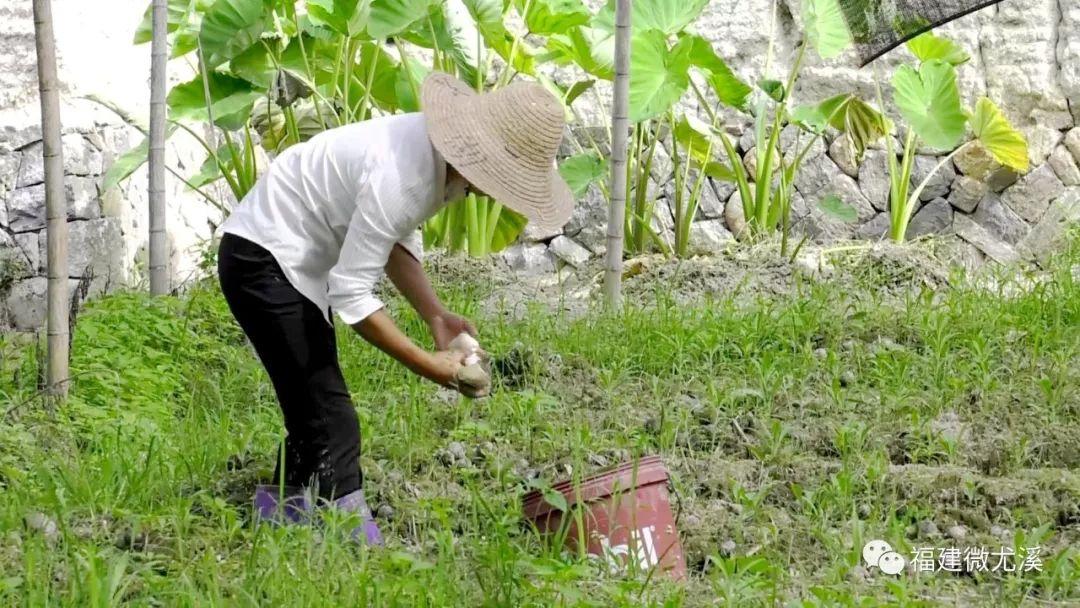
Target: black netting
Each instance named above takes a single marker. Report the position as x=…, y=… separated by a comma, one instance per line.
x=880, y=25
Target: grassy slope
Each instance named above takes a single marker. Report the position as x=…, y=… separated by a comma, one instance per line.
x=796, y=429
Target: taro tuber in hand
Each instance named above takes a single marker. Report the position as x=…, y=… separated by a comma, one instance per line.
x=474, y=377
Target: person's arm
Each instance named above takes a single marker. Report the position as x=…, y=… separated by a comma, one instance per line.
x=408, y=275
x=365, y=252
x=381, y=332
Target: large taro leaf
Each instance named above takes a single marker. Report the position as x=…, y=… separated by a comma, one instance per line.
x=346, y=17
x=378, y=67
x=231, y=100
x=126, y=164
x=487, y=13
x=451, y=30
x=515, y=50
x=729, y=89
x=847, y=114
x=507, y=229
x=254, y=65
x=306, y=60
x=774, y=89
x=826, y=27
x=583, y=170
x=392, y=17
x=998, y=136
x=577, y=90
x=659, y=76
x=183, y=23
x=928, y=47
x=699, y=141
x=488, y=16
x=553, y=16
x=929, y=100
x=593, y=50
x=309, y=59
x=459, y=37
x=667, y=16
x=178, y=16
x=695, y=137
x=229, y=27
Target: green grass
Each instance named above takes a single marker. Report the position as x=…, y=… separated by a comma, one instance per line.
x=796, y=429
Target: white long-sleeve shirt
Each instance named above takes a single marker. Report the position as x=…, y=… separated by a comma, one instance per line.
x=331, y=209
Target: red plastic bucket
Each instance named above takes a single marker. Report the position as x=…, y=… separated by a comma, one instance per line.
x=623, y=515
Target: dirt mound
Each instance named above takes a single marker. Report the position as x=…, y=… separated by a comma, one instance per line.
x=744, y=272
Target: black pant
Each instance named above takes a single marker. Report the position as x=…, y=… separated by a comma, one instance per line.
x=299, y=351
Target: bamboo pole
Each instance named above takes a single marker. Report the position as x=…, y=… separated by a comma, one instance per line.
x=620, y=127
x=55, y=201
x=159, y=243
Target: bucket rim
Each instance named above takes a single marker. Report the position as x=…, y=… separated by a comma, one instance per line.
x=650, y=470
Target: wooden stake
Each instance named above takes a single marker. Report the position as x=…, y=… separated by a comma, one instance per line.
x=159, y=242
x=620, y=128
x=55, y=201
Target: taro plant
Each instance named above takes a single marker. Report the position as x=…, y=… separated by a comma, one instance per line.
x=927, y=97
x=272, y=73
x=664, y=54
x=766, y=183
x=266, y=66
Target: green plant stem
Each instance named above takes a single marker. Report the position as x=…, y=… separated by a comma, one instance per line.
x=235, y=187
x=408, y=69
x=642, y=209
x=476, y=239
x=900, y=214
x=505, y=75
x=210, y=199
x=365, y=103
x=765, y=169
x=741, y=178
x=912, y=200
x=337, y=71
x=494, y=213
x=713, y=114
x=291, y=127
x=676, y=165
x=350, y=67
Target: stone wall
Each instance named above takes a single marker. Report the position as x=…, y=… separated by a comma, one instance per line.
x=1026, y=56
x=108, y=230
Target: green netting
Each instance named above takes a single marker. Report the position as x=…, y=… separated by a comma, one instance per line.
x=880, y=25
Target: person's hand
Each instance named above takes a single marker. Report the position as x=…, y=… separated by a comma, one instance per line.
x=447, y=326
x=443, y=366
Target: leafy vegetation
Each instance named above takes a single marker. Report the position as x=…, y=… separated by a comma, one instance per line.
x=273, y=74
x=796, y=429
x=927, y=96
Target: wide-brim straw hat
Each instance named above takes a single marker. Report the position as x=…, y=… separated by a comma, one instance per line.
x=503, y=142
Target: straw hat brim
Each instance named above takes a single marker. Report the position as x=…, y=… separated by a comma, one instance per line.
x=459, y=126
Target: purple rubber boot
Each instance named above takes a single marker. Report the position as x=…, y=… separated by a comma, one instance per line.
x=293, y=509
x=367, y=531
